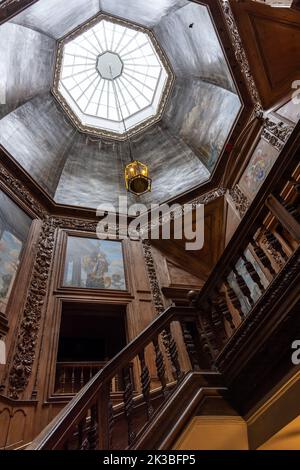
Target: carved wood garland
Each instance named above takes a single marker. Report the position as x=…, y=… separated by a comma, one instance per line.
x=28, y=332
x=154, y=283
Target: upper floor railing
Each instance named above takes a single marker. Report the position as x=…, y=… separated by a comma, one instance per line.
x=265, y=240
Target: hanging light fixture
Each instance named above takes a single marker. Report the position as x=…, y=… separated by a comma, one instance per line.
x=137, y=180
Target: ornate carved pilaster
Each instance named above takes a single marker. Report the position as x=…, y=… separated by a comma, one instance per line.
x=241, y=201
x=154, y=283
x=24, y=356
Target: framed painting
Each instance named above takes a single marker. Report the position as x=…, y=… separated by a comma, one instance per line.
x=14, y=230
x=94, y=264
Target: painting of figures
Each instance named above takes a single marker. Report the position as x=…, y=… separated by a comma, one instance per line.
x=262, y=160
x=94, y=264
x=14, y=229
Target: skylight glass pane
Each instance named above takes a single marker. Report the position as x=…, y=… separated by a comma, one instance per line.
x=111, y=72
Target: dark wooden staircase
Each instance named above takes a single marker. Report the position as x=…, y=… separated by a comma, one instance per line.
x=248, y=302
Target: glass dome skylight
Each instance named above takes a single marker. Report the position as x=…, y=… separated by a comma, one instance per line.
x=111, y=70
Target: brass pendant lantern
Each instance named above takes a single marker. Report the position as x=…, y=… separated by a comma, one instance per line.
x=137, y=179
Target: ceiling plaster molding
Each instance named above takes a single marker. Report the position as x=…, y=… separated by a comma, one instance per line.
x=240, y=55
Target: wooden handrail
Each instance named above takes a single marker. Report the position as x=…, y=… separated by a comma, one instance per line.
x=82, y=364
x=55, y=433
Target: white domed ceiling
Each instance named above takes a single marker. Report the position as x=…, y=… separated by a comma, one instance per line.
x=173, y=84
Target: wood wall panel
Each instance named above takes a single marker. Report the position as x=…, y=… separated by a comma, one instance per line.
x=271, y=38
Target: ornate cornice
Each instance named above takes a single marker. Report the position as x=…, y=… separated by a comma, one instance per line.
x=21, y=192
x=241, y=56
x=241, y=201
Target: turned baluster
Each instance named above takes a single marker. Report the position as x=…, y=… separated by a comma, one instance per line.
x=128, y=404
x=82, y=377
x=235, y=301
x=171, y=348
x=118, y=382
x=296, y=186
x=160, y=365
x=217, y=320
x=81, y=445
x=275, y=244
x=224, y=310
x=112, y=385
x=253, y=273
x=111, y=422
x=190, y=346
x=292, y=209
x=243, y=286
x=73, y=380
x=145, y=382
x=263, y=258
x=93, y=429
x=62, y=379
x=211, y=340
x=104, y=418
